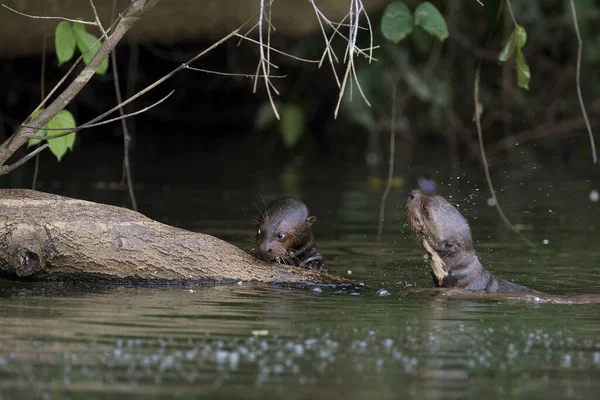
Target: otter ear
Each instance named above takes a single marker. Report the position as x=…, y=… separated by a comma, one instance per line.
x=310, y=220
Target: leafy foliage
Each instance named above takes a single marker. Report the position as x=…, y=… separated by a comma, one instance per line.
x=397, y=21
x=69, y=35
x=429, y=18
x=64, y=42
x=61, y=123
x=513, y=48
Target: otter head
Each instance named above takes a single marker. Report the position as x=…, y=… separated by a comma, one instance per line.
x=444, y=233
x=284, y=226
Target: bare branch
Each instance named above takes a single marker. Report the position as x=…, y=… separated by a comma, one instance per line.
x=486, y=167
x=43, y=17
x=126, y=135
x=9, y=168
x=578, y=79
x=242, y=37
x=90, y=125
x=231, y=73
x=264, y=63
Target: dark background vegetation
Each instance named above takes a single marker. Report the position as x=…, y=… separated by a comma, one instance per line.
x=212, y=114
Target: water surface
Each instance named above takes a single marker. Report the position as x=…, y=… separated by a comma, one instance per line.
x=269, y=341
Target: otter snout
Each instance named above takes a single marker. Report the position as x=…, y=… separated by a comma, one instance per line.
x=264, y=250
x=414, y=194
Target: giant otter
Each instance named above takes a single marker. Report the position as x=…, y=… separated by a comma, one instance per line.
x=446, y=237
x=284, y=235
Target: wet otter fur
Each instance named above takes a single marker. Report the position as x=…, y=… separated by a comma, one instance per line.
x=446, y=237
x=284, y=235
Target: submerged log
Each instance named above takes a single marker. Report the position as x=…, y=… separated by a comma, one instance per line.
x=49, y=237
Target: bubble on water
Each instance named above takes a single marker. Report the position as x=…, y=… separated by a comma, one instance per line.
x=317, y=290
x=545, y=241
x=566, y=361
x=221, y=356
x=594, y=196
x=299, y=349
x=234, y=360
x=382, y=293
x=491, y=202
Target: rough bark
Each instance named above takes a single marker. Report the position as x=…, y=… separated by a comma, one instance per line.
x=48, y=237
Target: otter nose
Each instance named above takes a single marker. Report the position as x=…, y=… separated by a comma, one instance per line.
x=264, y=249
x=415, y=193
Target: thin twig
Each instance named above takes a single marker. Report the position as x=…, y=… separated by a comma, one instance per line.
x=126, y=135
x=208, y=71
x=338, y=32
x=9, y=168
x=152, y=86
x=36, y=168
x=43, y=17
x=390, y=178
x=578, y=79
x=485, y=162
x=96, y=124
x=93, y=122
x=510, y=11
x=262, y=63
x=328, y=49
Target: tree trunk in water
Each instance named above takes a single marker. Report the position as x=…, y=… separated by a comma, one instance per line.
x=48, y=237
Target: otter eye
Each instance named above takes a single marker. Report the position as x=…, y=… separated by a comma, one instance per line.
x=280, y=236
x=448, y=245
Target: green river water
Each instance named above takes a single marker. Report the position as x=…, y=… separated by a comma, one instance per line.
x=281, y=342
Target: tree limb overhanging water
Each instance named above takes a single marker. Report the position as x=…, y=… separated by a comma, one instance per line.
x=49, y=237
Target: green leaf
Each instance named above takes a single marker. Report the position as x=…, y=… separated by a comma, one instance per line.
x=517, y=40
x=523, y=72
x=85, y=41
x=509, y=49
x=430, y=19
x=521, y=35
x=63, y=121
x=64, y=42
x=515, y=44
x=397, y=22
x=292, y=125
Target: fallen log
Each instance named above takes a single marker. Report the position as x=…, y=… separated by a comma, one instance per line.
x=45, y=237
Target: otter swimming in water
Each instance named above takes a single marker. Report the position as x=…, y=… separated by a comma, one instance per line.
x=284, y=235
x=446, y=237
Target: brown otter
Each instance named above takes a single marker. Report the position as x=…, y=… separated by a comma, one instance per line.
x=284, y=235
x=446, y=237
